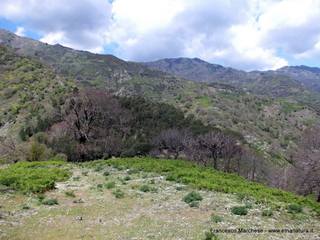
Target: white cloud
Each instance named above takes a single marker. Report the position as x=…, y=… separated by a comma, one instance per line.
x=20, y=31
x=79, y=24
x=248, y=34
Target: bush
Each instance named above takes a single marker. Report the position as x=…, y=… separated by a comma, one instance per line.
x=239, y=210
x=194, y=204
x=192, y=197
x=36, y=152
x=110, y=185
x=145, y=188
x=118, y=193
x=106, y=173
x=216, y=218
x=210, y=236
x=294, y=208
x=127, y=178
x=50, y=201
x=267, y=213
x=35, y=177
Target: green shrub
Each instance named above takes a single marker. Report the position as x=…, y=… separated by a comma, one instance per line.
x=267, y=213
x=110, y=185
x=37, y=152
x=35, y=177
x=210, y=236
x=216, y=218
x=294, y=208
x=145, y=188
x=50, y=201
x=106, y=173
x=118, y=193
x=25, y=207
x=70, y=194
x=192, y=197
x=239, y=210
x=127, y=178
x=194, y=204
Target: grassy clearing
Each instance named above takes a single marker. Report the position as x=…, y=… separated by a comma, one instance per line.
x=33, y=177
x=209, y=179
x=126, y=212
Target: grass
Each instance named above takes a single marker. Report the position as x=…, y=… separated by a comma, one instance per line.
x=50, y=202
x=209, y=179
x=239, y=210
x=33, y=177
x=118, y=193
x=295, y=208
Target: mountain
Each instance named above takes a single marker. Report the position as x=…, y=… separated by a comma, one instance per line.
x=284, y=82
x=197, y=70
x=270, y=125
x=308, y=76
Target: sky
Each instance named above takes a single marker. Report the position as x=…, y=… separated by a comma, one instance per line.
x=244, y=34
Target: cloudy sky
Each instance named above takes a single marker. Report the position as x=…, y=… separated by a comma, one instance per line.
x=245, y=34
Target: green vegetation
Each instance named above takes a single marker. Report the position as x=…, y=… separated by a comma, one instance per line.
x=118, y=193
x=216, y=218
x=50, y=201
x=209, y=179
x=34, y=177
x=192, y=199
x=267, y=213
x=239, y=210
x=110, y=185
x=294, y=208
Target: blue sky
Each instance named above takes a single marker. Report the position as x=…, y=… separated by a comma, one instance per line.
x=245, y=34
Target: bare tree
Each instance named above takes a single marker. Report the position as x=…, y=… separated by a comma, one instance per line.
x=171, y=141
x=306, y=172
x=211, y=145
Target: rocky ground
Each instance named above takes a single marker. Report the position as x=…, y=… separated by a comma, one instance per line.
x=108, y=203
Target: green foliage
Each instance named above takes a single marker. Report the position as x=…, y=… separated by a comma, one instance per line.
x=34, y=177
x=145, y=188
x=267, y=213
x=127, y=178
x=110, y=185
x=216, y=218
x=192, y=197
x=50, y=201
x=118, y=193
x=37, y=152
x=239, y=210
x=294, y=208
x=206, y=178
x=210, y=236
x=194, y=204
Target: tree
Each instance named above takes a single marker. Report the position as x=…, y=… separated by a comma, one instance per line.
x=306, y=172
x=172, y=141
x=211, y=145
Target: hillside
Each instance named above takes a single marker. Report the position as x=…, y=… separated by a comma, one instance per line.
x=30, y=93
x=282, y=83
x=145, y=198
x=272, y=126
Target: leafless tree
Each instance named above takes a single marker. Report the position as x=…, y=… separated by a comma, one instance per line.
x=171, y=141
x=306, y=172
